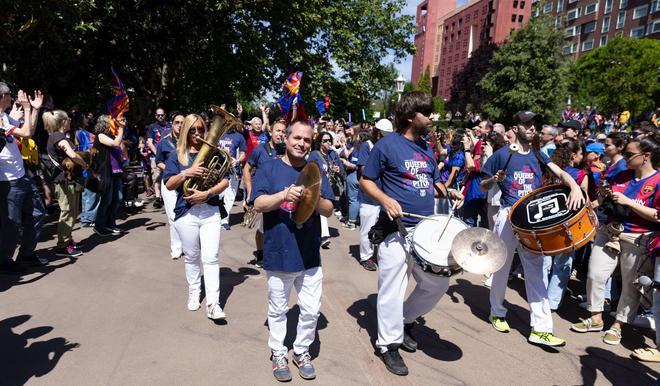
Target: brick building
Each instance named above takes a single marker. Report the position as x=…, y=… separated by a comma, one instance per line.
x=589, y=24
x=429, y=13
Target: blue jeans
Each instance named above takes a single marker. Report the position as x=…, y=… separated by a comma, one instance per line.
x=106, y=214
x=21, y=208
x=557, y=274
x=90, y=204
x=475, y=213
x=352, y=188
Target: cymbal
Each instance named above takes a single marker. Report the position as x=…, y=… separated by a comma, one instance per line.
x=479, y=250
x=310, y=179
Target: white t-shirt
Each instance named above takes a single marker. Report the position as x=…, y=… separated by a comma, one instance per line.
x=11, y=161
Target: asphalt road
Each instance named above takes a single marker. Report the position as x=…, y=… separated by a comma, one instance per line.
x=117, y=316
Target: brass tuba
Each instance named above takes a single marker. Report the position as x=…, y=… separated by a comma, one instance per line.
x=210, y=156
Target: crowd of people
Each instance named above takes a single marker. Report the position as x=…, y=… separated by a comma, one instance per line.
x=371, y=175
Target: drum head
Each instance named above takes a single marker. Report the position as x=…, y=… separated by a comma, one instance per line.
x=429, y=246
x=543, y=208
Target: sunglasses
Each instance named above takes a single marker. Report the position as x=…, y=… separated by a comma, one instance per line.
x=160, y=115
x=327, y=140
x=628, y=154
x=178, y=122
x=197, y=130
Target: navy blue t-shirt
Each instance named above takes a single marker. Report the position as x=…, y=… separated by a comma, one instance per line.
x=262, y=154
x=232, y=141
x=288, y=248
x=166, y=147
x=407, y=171
x=523, y=174
x=363, y=156
x=172, y=168
x=353, y=158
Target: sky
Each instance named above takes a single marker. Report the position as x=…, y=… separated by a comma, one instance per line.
x=405, y=67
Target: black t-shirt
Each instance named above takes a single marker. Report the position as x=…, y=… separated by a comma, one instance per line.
x=57, y=154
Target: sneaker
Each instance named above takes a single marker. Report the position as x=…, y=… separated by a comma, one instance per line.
x=68, y=251
x=226, y=226
x=612, y=336
x=158, y=203
x=545, y=339
x=175, y=257
x=587, y=325
x=369, y=264
x=193, y=302
x=393, y=361
x=259, y=263
x=349, y=225
x=338, y=213
x=87, y=225
x=409, y=343
x=325, y=242
x=33, y=260
x=138, y=203
x=11, y=268
x=281, y=370
x=115, y=231
x=76, y=244
x=102, y=232
x=487, y=280
x=214, y=311
x=304, y=364
x=499, y=324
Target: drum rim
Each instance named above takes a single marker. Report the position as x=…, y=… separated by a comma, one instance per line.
x=551, y=229
x=561, y=251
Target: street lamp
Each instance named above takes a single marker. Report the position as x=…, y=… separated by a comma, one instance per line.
x=400, y=84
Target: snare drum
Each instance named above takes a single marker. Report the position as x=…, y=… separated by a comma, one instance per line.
x=544, y=225
x=431, y=251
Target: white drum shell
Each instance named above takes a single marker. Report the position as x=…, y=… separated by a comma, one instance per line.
x=429, y=246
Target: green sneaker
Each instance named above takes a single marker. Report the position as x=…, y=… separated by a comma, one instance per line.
x=499, y=324
x=545, y=339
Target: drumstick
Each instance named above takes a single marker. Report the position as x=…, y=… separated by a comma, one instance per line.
x=419, y=216
x=513, y=148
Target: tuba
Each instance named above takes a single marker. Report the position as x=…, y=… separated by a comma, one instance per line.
x=210, y=156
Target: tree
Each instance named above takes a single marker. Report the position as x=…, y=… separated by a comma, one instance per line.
x=529, y=73
x=424, y=83
x=465, y=87
x=623, y=75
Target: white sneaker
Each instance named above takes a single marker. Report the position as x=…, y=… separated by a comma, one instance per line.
x=174, y=257
x=138, y=203
x=214, y=311
x=193, y=302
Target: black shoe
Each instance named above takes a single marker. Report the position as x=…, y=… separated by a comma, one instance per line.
x=369, y=264
x=227, y=227
x=115, y=231
x=393, y=361
x=325, y=242
x=409, y=343
x=259, y=263
x=32, y=260
x=158, y=203
x=87, y=225
x=77, y=244
x=103, y=232
x=11, y=268
x=68, y=251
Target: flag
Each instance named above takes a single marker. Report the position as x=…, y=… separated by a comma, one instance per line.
x=291, y=98
x=118, y=104
x=322, y=105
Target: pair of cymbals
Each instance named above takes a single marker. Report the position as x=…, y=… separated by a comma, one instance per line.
x=479, y=250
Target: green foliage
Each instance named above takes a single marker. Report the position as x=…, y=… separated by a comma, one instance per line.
x=424, y=83
x=465, y=89
x=528, y=73
x=623, y=75
x=189, y=53
x=439, y=106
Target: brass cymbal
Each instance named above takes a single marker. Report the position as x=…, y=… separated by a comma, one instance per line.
x=479, y=250
x=310, y=179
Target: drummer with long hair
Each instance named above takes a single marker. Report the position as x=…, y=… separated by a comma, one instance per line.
x=633, y=200
x=518, y=171
x=197, y=218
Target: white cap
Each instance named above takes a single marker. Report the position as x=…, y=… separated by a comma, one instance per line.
x=385, y=126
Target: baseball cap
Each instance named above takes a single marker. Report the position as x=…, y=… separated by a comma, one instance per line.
x=524, y=116
x=385, y=126
x=570, y=124
x=596, y=147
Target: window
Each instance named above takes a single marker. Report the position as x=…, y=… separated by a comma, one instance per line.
x=623, y=4
x=639, y=11
x=637, y=32
x=591, y=8
x=587, y=45
x=515, y=3
x=570, y=48
x=573, y=14
x=571, y=31
x=460, y=23
x=655, y=6
x=608, y=6
x=522, y=4
x=654, y=27
x=620, y=19
x=536, y=11
x=560, y=5
x=606, y=24
x=603, y=40
x=558, y=21
x=520, y=18
x=588, y=27
x=547, y=7
x=513, y=18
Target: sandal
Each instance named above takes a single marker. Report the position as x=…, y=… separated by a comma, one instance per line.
x=647, y=354
x=612, y=336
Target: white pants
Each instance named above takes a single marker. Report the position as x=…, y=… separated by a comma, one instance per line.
x=368, y=217
x=325, y=231
x=200, y=236
x=537, y=292
x=308, y=285
x=229, y=196
x=169, y=201
x=394, y=267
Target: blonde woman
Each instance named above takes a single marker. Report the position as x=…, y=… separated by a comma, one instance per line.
x=67, y=187
x=197, y=218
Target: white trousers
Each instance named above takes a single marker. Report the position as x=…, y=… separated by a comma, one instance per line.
x=229, y=196
x=394, y=267
x=169, y=201
x=537, y=292
x=200, y=237
x=325, y=231
x=308, y=285
x=368, y=217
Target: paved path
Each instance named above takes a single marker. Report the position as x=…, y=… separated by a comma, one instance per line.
x=117, y=316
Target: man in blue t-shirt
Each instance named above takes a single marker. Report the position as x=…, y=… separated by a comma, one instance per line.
x=155, y=133
x=165, y=149
x=522, y=175
x=291, y=252
x=272, y=150
x=404, y=166
x=234, y=143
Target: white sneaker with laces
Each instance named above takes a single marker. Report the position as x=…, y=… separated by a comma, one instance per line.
x=193, y=302
x=214, y=311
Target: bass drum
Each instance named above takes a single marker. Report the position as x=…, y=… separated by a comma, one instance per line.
x=544, y=225
x=432, y=252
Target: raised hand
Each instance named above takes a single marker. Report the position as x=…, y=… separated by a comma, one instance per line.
x=22, y=99
x=38, y=100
